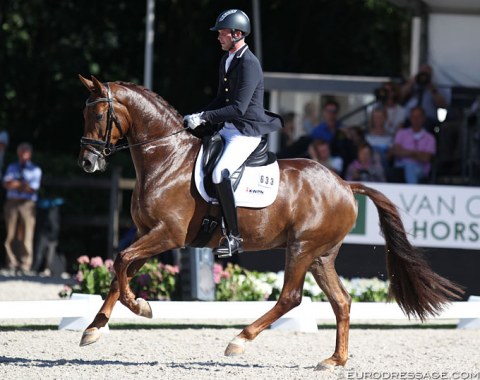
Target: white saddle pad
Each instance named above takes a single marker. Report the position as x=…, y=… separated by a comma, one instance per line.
x=257, y=188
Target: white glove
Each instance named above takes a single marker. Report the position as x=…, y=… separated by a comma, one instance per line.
x=194, y=120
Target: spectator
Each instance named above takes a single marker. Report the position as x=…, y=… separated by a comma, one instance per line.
x=414, y=147
x=395, y=112
x=22, y=181
x=378, y=137
x=4, y=139
x=333, y=132
x=47, y=232
x=327, y=129
x=310, y=117
x=319, y=150
x=420, y=90
x=288, y=130
x=367, y=167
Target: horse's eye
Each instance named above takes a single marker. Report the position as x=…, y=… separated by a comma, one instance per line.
x=98, y=116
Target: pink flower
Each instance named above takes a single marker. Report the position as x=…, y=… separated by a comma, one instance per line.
x=83, y=259
x=109, y=265
x=171, y=269
x=226, y=275
x=96, y=262
x=217, y=273
x=79, y=276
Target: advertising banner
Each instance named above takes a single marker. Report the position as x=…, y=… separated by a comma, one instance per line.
x=433, y=216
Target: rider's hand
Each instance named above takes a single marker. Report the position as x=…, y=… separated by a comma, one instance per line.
x=194, y=120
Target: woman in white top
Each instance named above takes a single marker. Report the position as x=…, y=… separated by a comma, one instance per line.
x=395, y=112
x=378, y=136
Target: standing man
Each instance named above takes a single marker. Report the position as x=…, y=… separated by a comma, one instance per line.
x=421, y=91
x=22, y=181
x=238, y=108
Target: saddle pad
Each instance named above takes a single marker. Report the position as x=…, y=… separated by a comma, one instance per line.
x=258, y=186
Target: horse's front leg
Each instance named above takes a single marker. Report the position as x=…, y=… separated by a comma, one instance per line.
x=126, y=296
x=147, y=246
x=92, y=332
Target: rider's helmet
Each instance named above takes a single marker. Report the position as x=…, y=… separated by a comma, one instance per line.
x=233, y=19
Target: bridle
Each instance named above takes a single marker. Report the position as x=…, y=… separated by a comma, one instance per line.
x=105, y=147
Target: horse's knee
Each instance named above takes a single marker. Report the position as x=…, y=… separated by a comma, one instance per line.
x=289, y=302
x=120, y=263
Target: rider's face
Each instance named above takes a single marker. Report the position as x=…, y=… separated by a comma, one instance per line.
x=225, y=38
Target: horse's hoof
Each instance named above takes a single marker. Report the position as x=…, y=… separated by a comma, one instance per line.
x=90, y=336
x=324, y=367
x=329, y=364
x=235, y=347
x=144, y=308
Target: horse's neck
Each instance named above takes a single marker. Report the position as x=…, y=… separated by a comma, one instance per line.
x=160, y=151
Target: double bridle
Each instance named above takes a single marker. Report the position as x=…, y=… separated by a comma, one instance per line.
x=105, y=147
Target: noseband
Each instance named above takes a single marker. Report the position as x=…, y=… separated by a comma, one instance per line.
x=105, y=147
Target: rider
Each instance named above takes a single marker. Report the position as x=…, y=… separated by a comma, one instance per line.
x=239, y=107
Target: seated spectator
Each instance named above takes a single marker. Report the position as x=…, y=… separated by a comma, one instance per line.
x=395, y=113
x=319, y=150
x=310, y=117
x=414, y=147
x=288, y=130
x=366, y=167
x=378, y=137
x=330, y=125
x=333, y=132
x=356, y=133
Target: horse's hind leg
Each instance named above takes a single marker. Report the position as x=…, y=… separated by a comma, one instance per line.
x=323, y=269
x=290, y=297
x=92, y=332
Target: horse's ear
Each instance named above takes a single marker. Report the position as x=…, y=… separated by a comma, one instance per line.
x=99, y=87
x=87, y=83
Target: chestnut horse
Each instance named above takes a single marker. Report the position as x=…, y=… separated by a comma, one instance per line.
x=314, y=211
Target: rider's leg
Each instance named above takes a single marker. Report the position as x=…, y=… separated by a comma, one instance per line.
x=232, y=243
x=237, y=149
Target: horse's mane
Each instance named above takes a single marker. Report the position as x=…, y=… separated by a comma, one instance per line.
x=157, y=98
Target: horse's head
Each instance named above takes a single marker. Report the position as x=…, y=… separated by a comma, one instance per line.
x=103, y=127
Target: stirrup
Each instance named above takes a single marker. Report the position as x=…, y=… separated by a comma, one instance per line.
x=226, y=243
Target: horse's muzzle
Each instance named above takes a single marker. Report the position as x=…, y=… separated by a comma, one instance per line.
x=91, y=162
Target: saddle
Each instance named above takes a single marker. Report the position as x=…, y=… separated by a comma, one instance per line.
x=213, y=148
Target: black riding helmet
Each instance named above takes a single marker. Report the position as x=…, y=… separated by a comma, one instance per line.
x=233, y=19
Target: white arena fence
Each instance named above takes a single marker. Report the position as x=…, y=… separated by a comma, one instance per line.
x=77, y=312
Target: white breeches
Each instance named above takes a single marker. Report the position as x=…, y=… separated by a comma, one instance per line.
x=237, y=149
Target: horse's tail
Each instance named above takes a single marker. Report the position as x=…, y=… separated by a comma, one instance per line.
x=418, y=290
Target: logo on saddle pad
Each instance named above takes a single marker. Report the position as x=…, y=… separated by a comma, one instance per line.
x=258, y=186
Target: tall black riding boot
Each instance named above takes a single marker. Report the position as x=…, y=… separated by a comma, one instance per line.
x=231, y=243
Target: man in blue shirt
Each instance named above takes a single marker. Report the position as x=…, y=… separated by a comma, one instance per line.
x=22, y=181
x=327, y=129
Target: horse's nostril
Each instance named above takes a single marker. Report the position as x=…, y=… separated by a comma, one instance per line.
x=85, y=164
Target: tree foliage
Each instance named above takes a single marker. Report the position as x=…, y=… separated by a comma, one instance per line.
x=45, y=44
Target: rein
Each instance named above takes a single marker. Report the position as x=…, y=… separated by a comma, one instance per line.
x=107, y=148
